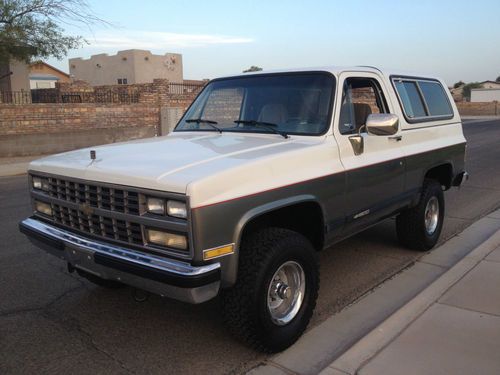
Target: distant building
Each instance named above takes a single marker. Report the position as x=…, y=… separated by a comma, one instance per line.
x=45, y=76
x=14, y=76
x=490, y=85
x=485, y=95
x=127, y=67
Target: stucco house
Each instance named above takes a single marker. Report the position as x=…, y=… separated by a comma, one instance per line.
x=127, y=67
x=44, y=76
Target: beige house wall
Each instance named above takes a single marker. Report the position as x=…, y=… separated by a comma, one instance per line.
x=18, y=80
x=149, y=66
x=137, y=66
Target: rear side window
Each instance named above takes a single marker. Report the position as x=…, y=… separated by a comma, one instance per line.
x=412, y=102
x=422, y=100
x=436, y=99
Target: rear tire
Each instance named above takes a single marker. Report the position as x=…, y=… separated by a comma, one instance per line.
x=419, y=227
x=273, y=299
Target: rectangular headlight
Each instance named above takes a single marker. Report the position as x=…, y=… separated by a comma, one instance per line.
x=177, y=209
x=155, y=205
x=43, y=208
x=159, y=237
x=40, y=183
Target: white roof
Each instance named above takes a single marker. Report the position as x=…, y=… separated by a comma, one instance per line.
x=336, y=70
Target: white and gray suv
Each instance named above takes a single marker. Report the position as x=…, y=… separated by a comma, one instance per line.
x=263, y=171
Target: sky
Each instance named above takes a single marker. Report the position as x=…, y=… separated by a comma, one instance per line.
x=456, y=40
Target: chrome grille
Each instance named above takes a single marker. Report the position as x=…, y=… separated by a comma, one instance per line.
x=98, y=225
x=107, y=198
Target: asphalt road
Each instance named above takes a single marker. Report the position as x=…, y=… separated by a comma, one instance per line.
x=55, y=322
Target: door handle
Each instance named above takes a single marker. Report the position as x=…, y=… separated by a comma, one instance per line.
x=396, y=137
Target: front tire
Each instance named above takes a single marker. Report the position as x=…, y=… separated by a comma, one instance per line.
x=419, y=227
x=273, y=299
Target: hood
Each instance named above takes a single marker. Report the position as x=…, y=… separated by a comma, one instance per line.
x=163, y=163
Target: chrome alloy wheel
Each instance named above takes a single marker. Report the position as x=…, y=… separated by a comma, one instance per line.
x=285, y=293
x=431, y=215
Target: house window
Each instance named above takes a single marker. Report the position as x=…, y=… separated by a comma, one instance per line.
x=122, y=81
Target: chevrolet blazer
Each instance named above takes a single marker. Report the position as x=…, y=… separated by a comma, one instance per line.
x=263, y=171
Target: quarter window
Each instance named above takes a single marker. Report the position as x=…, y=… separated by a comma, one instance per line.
x=412, y=102
x=435, y=98
x=422, y=99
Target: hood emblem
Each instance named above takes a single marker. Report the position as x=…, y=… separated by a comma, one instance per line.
x=92, y=154
x=86, y=209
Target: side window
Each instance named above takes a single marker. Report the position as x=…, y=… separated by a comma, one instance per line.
x=360, y=98
x=436, y=99
x=412, y=102
x=422, y=99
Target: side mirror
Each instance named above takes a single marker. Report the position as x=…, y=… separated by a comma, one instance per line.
x=382, y=124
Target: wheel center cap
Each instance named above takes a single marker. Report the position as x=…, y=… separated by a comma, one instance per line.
x=283, y=291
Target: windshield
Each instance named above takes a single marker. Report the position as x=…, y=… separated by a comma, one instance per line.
x=284, y=104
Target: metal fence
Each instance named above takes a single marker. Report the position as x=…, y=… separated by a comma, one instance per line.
x=54, y=96
x=121, y=95
x=185, y=88
x=15, y=97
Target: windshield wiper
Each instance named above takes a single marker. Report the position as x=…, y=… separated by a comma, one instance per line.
x=205, y=121
x=262, y=124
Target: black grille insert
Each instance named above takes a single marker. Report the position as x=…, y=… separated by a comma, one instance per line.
x=112, y=199
x=98, y=225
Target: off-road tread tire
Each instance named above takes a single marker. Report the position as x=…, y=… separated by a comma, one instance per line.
x=240, y=306
x=410, y=225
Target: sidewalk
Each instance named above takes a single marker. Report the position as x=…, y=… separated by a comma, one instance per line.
x=451, y=327
x=16, y=165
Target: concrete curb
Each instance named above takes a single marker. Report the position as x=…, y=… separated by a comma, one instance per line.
x=365, y=349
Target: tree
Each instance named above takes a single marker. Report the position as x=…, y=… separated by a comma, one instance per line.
x=458, y=84
x=253, y=68
x=29, y=28
x=498, y=79
x=466, y=89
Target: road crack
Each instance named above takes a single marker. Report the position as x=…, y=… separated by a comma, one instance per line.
x=41, y=308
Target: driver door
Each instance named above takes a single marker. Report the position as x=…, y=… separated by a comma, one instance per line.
x=374, y=178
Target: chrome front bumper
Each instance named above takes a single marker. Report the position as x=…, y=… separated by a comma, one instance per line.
x=166, y=277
